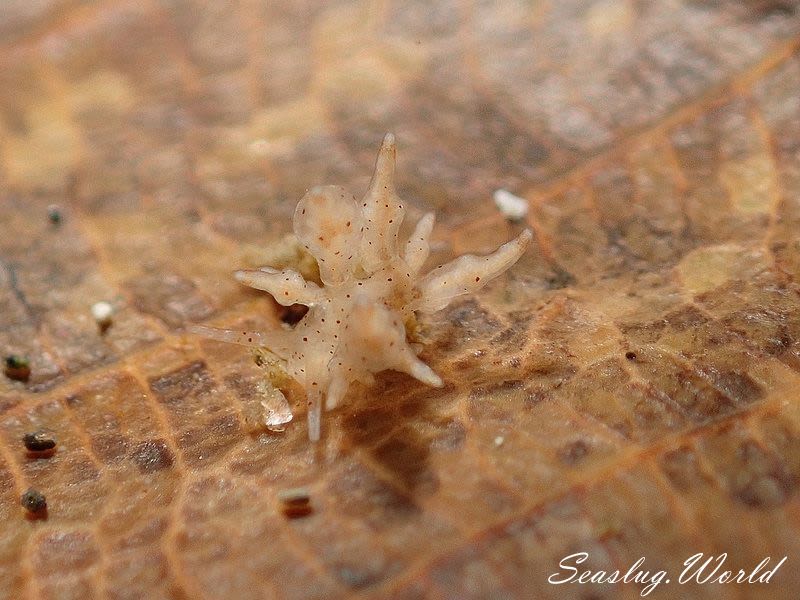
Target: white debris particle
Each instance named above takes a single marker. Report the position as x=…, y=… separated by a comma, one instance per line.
x=259, y=147
x=262, y=147
x=513, y=207
x=102, y=313
x=498, y=441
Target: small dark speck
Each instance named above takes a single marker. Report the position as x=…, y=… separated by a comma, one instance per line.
x=295, y=502
x=630, y=355
x=33, y=501
x=17, y=368
x=38, y=441
x=54, y=214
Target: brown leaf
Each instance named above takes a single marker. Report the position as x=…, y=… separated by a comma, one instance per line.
x=629, y=388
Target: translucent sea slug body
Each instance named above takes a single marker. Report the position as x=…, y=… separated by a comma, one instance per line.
x=372, y=287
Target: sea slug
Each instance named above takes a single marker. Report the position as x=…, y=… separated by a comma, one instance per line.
x=372, y=287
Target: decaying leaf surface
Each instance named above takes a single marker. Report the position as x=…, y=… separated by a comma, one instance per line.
x=629, y=389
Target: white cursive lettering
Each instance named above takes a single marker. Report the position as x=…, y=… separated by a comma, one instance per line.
x=698, y=568
x=633, y=575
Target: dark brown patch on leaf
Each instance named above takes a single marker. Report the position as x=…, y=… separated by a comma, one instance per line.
x=360, y=493
x=152, y=455
x=685, y=317
x=173, y=387
x=761, y=481
x=574, y=452
x=172, y=298
x=559, y=278
x=682, y=469
x=643, y=332
x=405, y=455
x=683, y=388
x=368, y=424
x=467, y=320
x=737, y=385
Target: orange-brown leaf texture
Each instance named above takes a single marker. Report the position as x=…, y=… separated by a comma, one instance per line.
x=631, y=388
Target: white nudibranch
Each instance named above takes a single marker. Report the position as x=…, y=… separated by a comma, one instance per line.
x=372, y=287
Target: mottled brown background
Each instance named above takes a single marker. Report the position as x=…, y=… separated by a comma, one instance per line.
x=659, y=146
